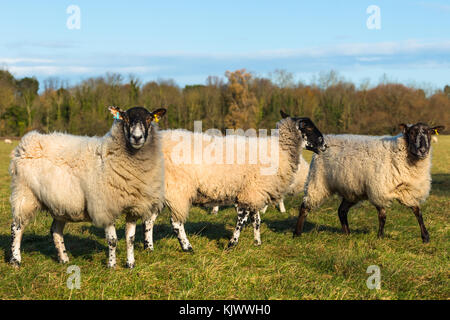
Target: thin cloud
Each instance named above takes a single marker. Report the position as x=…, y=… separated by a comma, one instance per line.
x=435, y=5
x=24, y=60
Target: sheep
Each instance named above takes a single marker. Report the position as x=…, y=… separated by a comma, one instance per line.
x=222, y=183
x=8, y=141
x=89, y=179
x=378, y=169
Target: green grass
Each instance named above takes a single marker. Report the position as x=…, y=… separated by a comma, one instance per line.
x=322, y=264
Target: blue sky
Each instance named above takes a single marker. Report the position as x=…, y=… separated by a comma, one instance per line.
x=189, y=40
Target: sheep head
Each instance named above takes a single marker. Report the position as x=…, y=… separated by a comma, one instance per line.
x=311, y=136
x=136, y=123
x=418, y=138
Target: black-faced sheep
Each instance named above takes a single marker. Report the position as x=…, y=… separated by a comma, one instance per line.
x=378, y=169
x=89, y=179
x=220, y=182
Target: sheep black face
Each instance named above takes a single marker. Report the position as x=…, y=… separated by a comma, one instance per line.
x=312, y=137
x=418, y=138
x=136, y=123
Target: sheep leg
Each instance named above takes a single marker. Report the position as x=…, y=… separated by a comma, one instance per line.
x=23, y=206
x=256, y=221
x=381, y=221
x=111, y=238
x=178, y=228
x=302, y=214
x=281, y=205
x=16, y=238
x=423, y=230
x=241, y=220
x=343, y=211
x=56, y=230
x=215, y=210
x=263, y=210
x=148, y=232
x=130, y=231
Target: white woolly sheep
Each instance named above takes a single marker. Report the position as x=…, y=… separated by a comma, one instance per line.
x=89, y=179
x=198, y=181
x=378, y=169
x=8, y=141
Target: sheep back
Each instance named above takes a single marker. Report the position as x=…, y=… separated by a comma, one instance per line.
x=365, y=167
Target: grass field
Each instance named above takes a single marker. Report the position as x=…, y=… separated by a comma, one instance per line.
x=322, y=264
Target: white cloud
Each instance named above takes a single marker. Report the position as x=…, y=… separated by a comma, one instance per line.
x=346, y=49
x=23, y=60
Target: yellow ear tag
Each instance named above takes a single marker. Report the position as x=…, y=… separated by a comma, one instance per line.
x=156, y=118
x=435, y=131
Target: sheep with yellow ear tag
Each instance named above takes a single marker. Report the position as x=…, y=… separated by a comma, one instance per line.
x=89, y=179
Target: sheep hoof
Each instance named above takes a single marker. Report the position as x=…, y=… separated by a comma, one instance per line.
x=148, y=248
x=63, y=261
x=295, y=234
x=130, y=265
x=231, y=245
x=257, y=243
x=188, y=249
x=111, y=266
x=426, y=239
x=15, y=263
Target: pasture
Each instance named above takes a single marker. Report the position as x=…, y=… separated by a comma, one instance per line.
x=321, y=264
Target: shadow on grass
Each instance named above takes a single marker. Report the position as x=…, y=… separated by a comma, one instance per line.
x=77, y=246
x=43, y=244
x=288, y=225
x=211, y=230
x=441, y=184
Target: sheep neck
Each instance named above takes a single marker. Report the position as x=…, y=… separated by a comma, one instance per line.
x=139, y=161
x=290, y=141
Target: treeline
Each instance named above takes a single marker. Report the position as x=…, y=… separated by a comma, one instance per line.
x=241, y=101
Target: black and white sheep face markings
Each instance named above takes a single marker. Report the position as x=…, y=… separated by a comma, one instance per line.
x=311, y=136
x=418, y=138
x=136, y=124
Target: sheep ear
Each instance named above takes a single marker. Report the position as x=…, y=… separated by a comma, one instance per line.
x=116, y=112
x=403, y=127
x=158, y=114
x=436, y=130
x=283, y=114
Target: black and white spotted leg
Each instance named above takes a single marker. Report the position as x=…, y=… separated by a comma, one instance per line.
x=148, y=232
x=16, y=238
x=178, y=228
x=56, y=230
x=256, y=221
x=130, y=231
x=111, y=238
x=242, y=218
